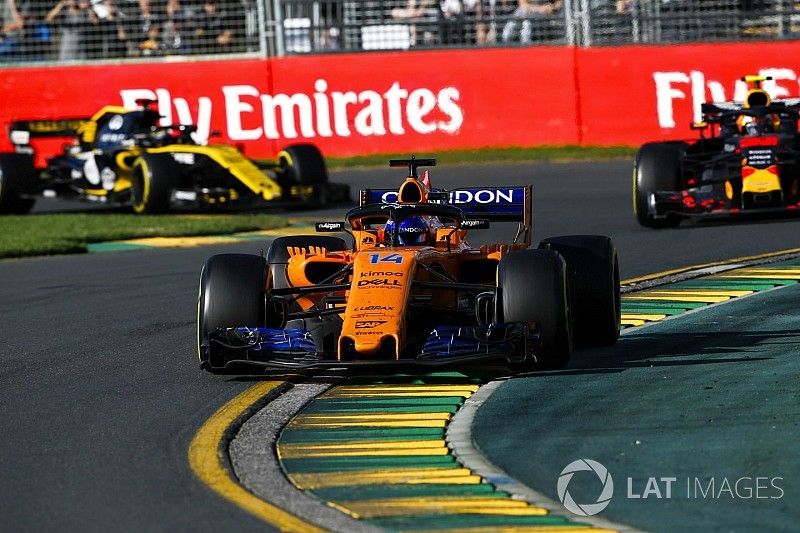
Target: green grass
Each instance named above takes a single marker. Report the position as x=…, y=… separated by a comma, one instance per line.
x=496, y=155
x=65, y=233
x=51, y=234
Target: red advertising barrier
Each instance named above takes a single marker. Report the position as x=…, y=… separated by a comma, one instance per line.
x=634, y=94
x=420, y=101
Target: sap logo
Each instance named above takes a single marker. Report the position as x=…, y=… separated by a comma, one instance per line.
x=390, y=283
x=379, y=274
x=374, y=308
x=368, y=324
x=483, y=196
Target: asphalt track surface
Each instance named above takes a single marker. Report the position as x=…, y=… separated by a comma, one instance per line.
x=101, y=393
x=707, y=400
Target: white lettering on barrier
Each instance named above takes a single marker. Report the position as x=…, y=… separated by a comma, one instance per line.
x=670, y=86
x=392, y=112
x=235, y=107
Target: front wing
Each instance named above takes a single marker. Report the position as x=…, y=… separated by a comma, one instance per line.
x=704, y=204
x=445, y=345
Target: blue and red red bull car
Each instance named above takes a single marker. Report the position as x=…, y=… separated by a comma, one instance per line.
x=747, y=160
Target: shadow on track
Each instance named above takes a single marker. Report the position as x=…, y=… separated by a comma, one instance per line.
x=674, y=349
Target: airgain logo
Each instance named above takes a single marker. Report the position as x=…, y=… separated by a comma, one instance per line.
x=585, y=509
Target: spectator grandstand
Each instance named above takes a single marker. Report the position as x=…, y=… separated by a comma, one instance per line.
x=35, y=31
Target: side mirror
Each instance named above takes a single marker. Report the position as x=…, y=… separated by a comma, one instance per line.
x=277, y=312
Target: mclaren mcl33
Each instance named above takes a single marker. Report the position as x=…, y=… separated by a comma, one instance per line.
x=403, y=287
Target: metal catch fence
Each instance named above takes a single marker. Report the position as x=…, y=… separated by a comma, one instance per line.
x=77, y=31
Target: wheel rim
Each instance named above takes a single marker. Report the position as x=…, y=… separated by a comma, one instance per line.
x=139, y=189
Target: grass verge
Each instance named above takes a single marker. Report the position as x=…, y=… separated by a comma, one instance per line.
x=64, y=233
x=497, y=155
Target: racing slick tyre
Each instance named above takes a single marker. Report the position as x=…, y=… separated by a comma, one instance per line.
x=232, y=294
x=593, y=278
x=153, y=179
x=532, y=287
x=303, y=164
x=278, y=254
x=17, y=176
x=656, y=168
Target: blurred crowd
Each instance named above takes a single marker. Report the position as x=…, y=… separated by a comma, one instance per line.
x=80, y=30
x=77, y=30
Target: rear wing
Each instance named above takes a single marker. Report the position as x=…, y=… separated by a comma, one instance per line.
x=22, y=131
x=511, y=204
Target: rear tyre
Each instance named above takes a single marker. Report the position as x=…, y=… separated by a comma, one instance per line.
x=303, y=164
x=532, y=287
x=153, y=179
x=17, y=176
x=593, y=277
x=656, y=168
x=232, y=294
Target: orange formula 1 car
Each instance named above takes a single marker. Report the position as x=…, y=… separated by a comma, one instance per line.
x=410, y=289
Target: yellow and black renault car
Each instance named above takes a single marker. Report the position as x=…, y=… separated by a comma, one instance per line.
x=122, y=156
x=747, y=160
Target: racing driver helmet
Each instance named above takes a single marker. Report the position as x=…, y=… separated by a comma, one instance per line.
x=413, y=231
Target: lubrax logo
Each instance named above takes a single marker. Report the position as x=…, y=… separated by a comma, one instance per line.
x=374, y=308
x=390, y=283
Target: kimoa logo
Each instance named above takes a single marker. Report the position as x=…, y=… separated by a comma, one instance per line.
x=252, y=115
x=585, y=509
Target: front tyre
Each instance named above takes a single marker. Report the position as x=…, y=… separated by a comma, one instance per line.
x=656, y=168
x=17, y=175
x=153, y=179
x=593, y=274
x=232, y=294
x=532, y=288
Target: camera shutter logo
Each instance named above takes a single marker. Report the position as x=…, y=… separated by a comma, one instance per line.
x=585, y=509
